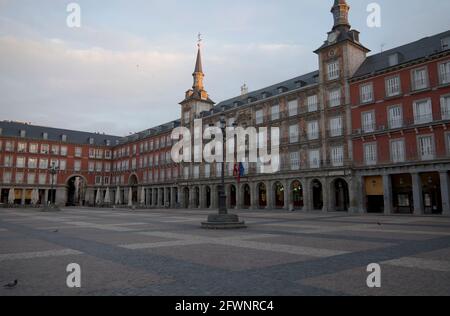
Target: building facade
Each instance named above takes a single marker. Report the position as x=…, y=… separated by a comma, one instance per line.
x=361, y=134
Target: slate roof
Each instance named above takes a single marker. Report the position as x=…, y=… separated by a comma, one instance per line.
x=288, y=85
x=407, y=53
x=13, y=129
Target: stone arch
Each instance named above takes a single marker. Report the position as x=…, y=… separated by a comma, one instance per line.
x=246, y=196
x=340, y=197
x=261, y=190
x=297, y=195
x=76, y=186
x=278, y=194
x=317, y=194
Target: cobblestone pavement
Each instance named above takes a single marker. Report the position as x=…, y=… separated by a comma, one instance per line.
x=165, y=252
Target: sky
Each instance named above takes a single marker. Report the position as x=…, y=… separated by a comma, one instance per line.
x=129, y=64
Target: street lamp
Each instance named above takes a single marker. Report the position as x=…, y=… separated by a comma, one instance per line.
x=223, y=220
x=53, y=170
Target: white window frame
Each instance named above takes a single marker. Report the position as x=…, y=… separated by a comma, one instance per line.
x=394, y=87
x=313, y=134
x=371, y=158
x=294, y=133
x=335, y=97
x=275, y=112
x=445, y=107
x=294, y=160
x=259, y=116
x=423, y=80
x=293, y=107
x=444, y=72
x=368, y=127
x=420, y=118
x=312, y=102
x=395, y=122
x=314, y=158
x=333, y=71
x=428, y=154
x=398, y=154
x=366, y=93
x=336, y=126
x=337, y=156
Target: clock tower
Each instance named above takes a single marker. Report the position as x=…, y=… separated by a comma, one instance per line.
x=196, y=99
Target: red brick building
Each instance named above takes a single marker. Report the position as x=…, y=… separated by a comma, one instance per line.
x=400, y=116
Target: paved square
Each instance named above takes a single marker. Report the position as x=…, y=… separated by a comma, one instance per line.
x=165, y=252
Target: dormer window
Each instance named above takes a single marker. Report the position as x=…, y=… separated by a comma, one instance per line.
x=108, y=142
x=393, y=59
x=64, y=138
x=91, y=141
x=445, y=43
x=23, y=133
x=45, y=136
x=282, y=89
x=1, y=131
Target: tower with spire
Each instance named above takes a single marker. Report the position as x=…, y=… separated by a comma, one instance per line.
x=196, y=99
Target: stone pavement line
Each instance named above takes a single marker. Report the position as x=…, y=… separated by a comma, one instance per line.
x=237, y=241
x=400, y=231
x=39, y=254
x=161, y=244
x=419, y=263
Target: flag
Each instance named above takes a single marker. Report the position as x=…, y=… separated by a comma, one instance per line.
x=239, y=171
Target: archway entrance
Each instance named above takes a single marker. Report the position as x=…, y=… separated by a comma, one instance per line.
x=262, y=195
x=431, y=191
x=232, y=196
x=133, y=183
x=297, y=195
x=197, y=197
x=76, y=189
x=402, y=194
x=246, y=196
x=186, y=198
x=317, y=193
x=208, y=197
x=279, y=195
x=341, y=195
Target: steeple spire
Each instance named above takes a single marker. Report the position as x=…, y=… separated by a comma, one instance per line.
x=340, y=11
x=198, y=71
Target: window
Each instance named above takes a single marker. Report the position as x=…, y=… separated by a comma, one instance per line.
x=19, y=177
x=91, y=166
x=314, y=158
x=55, y=150
x=293, y=133
x=370, y=154
x=21, y=147
x=398, y=150
x=7, y=177
x=207, y=170
x=9, y=146
x=313, y=130
x=31, y=178
x=63, y=150
x=337, y=156
x=444, y=72
x=445, y=43
x=218, y=169
x=312, y=103
x=78, y=152
x=368, y=122
x=275, y=112
x=91, y=141
x=334, y=97
x=366, y=93
x=295, y=160
x=293, y=107
x=186, y=118
x=77, y=165
x=419, y=79
x=336, y=127
x=32, y=163
x=20, y=162
x=259, y=117
x=62, y=165
x=107, y=167
x=45, y=149
x=99, y=153
x=91, y=153
x=393, y=59
x=8, y=161
x=426, y=148
x=33, y=148
x=333, y=70
x=393, y=86
x=186, y=173
x=423, y=112
x=98, y=180
x=395, y=115
x=106, y=180
x=445, y=107
x=43, y=163
x=42, y=178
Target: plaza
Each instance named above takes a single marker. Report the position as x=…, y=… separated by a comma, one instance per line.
x=165, y=252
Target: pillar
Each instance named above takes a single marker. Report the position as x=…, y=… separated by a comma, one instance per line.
x=387, y=187
x=173, y=198
x=239, y=197
x=214, y=197
x=287, y=196
x=254, y=196
x=445, y=193
x=154, y=199
x=417, y=194
x=192, y=197
x=326, y=196
x=306, y=195
x=269, y=195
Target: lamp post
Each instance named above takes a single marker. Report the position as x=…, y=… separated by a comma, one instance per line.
x=53, y=170
x=223, y=220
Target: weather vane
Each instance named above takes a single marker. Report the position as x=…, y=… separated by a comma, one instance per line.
x=199, y=39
